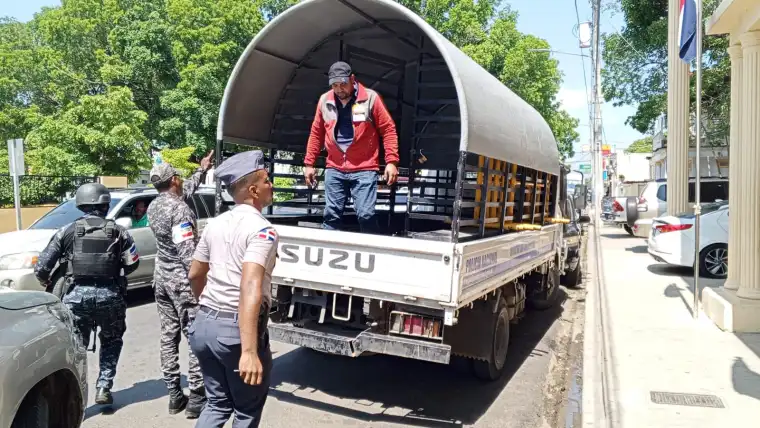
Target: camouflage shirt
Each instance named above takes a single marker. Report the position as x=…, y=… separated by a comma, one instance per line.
x=61, y=245
x=174, y=225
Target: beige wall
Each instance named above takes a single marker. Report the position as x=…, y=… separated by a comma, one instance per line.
x=28, y=216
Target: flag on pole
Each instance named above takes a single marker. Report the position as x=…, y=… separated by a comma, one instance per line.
x=687, y=31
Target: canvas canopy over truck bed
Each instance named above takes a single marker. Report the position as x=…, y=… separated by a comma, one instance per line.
x=477, y=163
x=463, y=136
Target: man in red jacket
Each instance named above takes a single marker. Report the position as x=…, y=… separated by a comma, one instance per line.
x=349, y=123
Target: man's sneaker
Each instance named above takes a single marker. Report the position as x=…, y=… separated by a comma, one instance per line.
x=195, y=404
x=103, y=396
x=177, y=401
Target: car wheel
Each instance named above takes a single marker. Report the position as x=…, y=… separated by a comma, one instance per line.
x=492, y=368
x=628, y=229
x=33, y=413
x=713, y=261
x=58, y=286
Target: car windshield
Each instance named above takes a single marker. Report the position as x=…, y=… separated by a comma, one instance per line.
x=706, y=209
x=63, y=215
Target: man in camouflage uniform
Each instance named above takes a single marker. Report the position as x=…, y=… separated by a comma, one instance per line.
x=174, y=226
x=94, y=254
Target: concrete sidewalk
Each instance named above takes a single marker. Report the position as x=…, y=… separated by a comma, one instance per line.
x=641, y=339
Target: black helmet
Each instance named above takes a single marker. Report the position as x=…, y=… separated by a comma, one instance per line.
x=92, y=194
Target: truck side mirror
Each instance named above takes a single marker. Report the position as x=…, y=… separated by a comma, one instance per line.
x=584, y=219
x=579, y=196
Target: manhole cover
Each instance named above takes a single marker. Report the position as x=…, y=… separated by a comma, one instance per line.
x=680, y=399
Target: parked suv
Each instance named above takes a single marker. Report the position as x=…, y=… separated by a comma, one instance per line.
x=653, y=200
x=19, y=250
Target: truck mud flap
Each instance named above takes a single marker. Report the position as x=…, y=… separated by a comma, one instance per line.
x=363, y=342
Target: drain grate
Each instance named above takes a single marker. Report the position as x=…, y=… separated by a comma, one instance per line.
x=681, y=399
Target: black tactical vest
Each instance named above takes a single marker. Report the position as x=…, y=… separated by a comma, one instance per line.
x=96, y=252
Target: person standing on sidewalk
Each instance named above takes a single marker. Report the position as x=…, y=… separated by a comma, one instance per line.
x=173, y=224
x=349, y=122
x=231, y=276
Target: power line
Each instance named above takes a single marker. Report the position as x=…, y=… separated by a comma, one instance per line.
x=583, y=63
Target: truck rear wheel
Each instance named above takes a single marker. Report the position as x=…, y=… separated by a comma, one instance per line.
x=546, y=298
x=492, y=368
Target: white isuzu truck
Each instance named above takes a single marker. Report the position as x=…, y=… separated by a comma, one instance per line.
x=472, y=233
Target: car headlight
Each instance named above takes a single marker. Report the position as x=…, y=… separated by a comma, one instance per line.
x=19, y=260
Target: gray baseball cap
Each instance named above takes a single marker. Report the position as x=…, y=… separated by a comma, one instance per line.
x=240, y=165
x=161, y=173
x=340, y=72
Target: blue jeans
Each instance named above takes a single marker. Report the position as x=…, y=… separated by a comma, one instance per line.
x=362, y=187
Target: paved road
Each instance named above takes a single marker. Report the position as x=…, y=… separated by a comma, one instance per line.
x=312, y=389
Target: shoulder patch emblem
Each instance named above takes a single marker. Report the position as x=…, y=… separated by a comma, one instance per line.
x=182, y=232
x=267, y=233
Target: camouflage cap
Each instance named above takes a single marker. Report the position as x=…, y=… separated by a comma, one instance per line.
x=161, y=173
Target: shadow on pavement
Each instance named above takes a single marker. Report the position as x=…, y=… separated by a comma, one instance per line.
x=672, y=290
x=140, y=296
x=617, y=236
x=745, y=381
x=639, y=249
x=383, y=388
x=139, y=392
x=670, y=270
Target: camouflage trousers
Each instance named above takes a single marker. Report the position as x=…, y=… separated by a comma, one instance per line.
x=103, y=307
x=176, y=310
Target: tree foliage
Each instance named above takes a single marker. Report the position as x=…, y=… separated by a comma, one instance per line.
x=180, y=159
x=635, y=68
x=642, y=145
x=94, y=85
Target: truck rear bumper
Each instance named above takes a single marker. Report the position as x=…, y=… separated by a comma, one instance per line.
x=362, y=342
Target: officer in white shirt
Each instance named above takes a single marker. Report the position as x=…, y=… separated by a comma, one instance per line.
x=231, y=275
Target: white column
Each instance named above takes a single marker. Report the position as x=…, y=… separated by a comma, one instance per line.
x=734, y=171
x=678, y=118
x=749, y=287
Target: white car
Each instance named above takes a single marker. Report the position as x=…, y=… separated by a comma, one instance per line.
x=19, y=250
x=43, y=364
x=653, y=200
x=671, y=240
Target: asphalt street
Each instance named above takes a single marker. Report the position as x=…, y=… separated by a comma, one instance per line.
x=313, y=389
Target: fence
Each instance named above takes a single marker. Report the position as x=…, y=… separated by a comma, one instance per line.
x=40, y=189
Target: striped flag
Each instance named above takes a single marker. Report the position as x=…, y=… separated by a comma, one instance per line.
x=688, y=30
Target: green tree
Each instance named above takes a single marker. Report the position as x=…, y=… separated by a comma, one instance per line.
x=101, y=135
x=643, y=145
x=635, y=68
x=180, y=159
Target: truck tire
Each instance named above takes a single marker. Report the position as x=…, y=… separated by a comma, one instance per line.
x=631, y=210
x=574, y=278
x=492, y=368
x=628, y=229
x=33, y=413
x=546, y=298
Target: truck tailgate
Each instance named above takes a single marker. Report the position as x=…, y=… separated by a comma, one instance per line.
x=384, y=267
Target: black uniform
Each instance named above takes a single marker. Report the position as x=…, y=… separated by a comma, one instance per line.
x=94, y=252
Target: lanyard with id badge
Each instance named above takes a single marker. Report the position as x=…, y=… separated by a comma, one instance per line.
x=359, y=112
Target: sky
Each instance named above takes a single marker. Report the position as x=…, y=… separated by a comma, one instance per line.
x=552, y=20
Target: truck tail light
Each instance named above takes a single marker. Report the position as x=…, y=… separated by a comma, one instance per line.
x=617, y=207
x=672, y=227
x=415, y=325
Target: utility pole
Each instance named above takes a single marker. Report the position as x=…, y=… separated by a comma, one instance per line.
x=597, y=126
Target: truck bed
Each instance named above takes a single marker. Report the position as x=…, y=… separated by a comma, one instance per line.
x=434, y=274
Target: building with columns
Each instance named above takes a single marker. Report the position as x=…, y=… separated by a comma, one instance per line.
x=736, y=306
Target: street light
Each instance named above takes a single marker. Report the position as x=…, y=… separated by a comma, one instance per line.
x=557, y=52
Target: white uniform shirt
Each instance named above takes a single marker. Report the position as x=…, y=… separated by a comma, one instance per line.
x=241, y=235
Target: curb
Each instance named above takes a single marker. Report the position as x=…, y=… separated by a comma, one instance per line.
x=598, y=377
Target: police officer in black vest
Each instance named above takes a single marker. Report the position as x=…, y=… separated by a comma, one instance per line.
x=96, y=255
